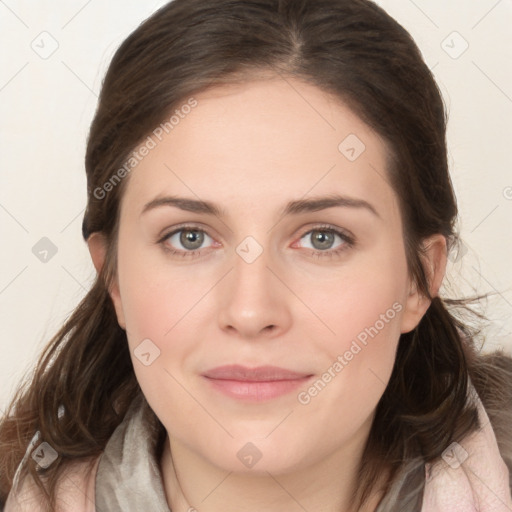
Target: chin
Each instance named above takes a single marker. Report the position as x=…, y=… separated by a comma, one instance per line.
x=258, y=456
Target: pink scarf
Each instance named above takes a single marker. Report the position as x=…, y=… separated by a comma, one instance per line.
x=470, y=476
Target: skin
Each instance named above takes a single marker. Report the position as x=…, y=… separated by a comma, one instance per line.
x=251, y=148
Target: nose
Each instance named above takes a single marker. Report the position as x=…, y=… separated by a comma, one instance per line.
x=253, y=301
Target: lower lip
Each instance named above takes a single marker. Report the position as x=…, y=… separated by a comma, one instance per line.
x=256, y=391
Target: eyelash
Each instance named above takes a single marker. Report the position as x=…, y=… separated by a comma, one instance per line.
x=349, y=241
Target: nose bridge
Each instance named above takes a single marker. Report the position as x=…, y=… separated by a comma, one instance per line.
x=252, y=299
x=251, y=275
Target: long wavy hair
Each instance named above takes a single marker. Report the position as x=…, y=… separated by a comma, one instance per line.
x=84, y=381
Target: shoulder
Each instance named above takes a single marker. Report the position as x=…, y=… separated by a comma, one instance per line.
x=75, y=491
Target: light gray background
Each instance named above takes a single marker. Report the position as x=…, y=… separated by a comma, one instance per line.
x=47, y=103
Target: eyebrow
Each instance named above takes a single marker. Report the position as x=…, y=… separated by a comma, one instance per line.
x=292, y=208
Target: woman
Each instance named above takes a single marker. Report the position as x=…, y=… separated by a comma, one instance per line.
x=269, y=213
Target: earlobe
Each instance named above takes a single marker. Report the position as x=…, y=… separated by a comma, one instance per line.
x=97, y=249
x=434, y=261
x=415, y=306
x=98, y=246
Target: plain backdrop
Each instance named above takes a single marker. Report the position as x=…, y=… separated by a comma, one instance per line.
x=54, y=56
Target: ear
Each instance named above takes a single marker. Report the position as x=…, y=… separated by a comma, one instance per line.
x=434, y=261
x=98, y=245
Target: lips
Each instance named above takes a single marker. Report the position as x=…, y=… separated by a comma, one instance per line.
x=258, y=374
x=254, y=384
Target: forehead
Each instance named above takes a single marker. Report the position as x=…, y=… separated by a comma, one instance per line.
x=259, y=140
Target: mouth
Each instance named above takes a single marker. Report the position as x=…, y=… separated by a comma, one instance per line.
x=254, y=384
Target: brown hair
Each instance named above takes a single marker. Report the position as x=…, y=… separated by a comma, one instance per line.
x=354, y=50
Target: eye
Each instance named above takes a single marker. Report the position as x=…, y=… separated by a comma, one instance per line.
x=191, y=238
x=323, y=238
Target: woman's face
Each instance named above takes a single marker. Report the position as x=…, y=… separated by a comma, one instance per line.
x=267, y=280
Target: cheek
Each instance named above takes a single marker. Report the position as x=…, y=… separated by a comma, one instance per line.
x=363, y=310
x=155, y=303
x=363, y=301
x=360, y=354
x=155, y=297
x=157, y=308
